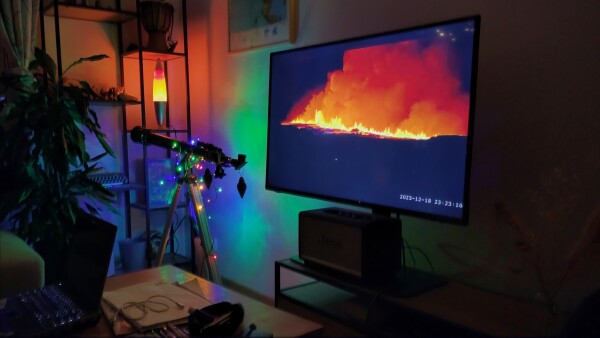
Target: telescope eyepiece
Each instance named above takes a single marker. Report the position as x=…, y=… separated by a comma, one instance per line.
x=137, y=134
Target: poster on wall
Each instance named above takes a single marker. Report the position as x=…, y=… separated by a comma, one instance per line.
x=258, y=23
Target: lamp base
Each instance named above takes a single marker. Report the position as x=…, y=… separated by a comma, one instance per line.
x=160, y=109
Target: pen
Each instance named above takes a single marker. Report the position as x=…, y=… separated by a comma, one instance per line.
x=168, y=333
x=160, y=333
x=176, y=330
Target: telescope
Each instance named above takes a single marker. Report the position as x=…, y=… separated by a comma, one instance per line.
x=206, y=151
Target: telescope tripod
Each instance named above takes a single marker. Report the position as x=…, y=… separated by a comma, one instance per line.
x=207, y=266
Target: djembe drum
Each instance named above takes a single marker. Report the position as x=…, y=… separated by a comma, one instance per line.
x=157, y=19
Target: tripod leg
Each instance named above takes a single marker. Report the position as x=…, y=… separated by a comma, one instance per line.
x=167, y=228
x=204, y=233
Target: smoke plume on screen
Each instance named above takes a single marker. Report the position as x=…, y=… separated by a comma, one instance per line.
x=398, y=90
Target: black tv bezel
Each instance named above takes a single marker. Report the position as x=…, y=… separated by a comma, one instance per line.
x=384, y=209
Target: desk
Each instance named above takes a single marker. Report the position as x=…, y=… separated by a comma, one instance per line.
x=266, y=318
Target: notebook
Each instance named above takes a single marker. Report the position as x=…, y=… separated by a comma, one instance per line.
x=75, y=301
x=172, y=300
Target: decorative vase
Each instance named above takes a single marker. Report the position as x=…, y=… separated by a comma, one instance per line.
x=133, y=254
x=157, y=19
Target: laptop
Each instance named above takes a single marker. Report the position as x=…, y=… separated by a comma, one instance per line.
x=75, y=301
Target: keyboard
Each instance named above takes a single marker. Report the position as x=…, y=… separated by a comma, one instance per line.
x=109, y=179
x=50, y=307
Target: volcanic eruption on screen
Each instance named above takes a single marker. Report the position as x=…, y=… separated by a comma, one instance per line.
x=381, y=121
x=398, y=90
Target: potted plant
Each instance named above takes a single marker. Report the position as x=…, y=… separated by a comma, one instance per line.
x=44, y=164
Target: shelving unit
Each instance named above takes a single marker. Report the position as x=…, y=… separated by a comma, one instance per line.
x=121, y=17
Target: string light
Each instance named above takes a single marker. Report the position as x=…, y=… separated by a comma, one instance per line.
x=184, y=162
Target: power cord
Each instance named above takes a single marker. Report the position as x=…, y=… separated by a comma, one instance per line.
x=424, y=256
x=146, y=306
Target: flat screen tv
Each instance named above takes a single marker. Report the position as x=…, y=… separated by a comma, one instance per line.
x=383, y=121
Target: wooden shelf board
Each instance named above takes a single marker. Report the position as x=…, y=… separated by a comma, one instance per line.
x=139, y=205
x=89, y=13
x=153, y=55
x=113, y=103
x=124, y=187
x=165, y=131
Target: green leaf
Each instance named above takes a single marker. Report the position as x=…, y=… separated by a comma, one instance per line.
x=87, y=89
x=106, y=146
x=90, y=58
x=97, y=158
x=45, y=61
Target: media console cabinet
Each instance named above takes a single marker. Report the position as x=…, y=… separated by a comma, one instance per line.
x=349, y=306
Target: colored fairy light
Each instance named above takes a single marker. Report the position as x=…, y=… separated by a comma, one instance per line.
x=219, y=189
x=174, y=145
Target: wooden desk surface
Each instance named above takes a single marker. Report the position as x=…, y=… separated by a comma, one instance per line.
x=265, y=317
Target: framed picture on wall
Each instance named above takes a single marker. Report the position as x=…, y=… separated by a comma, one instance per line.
x=259, y=23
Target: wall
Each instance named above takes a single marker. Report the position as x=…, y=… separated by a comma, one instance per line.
x=535, y=143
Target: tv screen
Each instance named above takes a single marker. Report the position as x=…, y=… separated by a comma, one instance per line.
x=382, y=121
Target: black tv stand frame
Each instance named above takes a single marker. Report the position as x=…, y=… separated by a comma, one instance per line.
x=406, y=283
x=332, y=290
x=349, y=306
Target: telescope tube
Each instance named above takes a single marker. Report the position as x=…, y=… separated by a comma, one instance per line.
x=206, y=151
